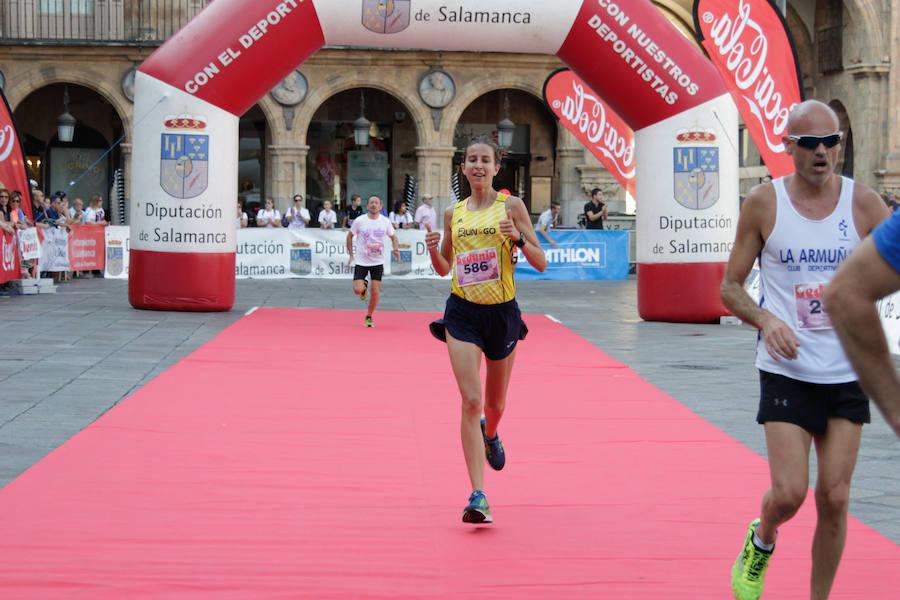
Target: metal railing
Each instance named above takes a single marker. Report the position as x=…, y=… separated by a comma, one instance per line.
x=94, y=22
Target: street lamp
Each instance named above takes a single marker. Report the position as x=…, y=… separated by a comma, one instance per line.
x=505, y=128
x=361, y=125
x=65, y=123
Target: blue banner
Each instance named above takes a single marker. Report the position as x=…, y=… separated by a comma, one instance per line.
x=581, y=254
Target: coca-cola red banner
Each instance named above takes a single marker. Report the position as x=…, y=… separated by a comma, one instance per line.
x=594, y=123
x=750, y=44
x=13, y=175
x=9, y=257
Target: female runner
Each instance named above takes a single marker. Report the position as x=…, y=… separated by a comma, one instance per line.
x=481, y=236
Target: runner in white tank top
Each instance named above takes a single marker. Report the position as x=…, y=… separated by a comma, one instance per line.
x=801, y=227
x=800, y=256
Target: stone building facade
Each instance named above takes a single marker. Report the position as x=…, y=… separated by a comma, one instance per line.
x=298, y=139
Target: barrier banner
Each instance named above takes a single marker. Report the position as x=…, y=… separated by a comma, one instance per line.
x=581, y=255
x=55, y=250
x=263, y=253
x=86, y=248
x=750, y=44
x=9, y=256
x=29, y=243
x=318, y=253
x=889, y=311
x=594, y=123
x=117, y=251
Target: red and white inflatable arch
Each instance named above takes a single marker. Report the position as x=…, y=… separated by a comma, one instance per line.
x=196, y=85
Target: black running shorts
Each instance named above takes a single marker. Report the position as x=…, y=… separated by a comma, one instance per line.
x=376, y=271
x=809, y=405
x=495, y=328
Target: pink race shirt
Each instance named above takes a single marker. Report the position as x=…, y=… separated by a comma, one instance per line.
x=369, y=236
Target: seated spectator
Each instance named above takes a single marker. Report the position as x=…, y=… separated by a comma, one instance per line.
x=327, y=217
x=61, y=204
x=76, y=211
x=297, y=215
x=5, y=217
x=94, y=213
x=53, y=216
x=400, y=218
x=269, y=216
x=37, y=207
x=17, y=215
x=242, y=218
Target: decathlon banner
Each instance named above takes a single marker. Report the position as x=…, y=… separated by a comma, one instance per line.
x=751, y=45
x=581, y=254
x=594, y=123
x=13, y=175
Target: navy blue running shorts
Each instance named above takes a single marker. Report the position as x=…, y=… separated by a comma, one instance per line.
x=495, y=328
x=360, y=271
x=809, y=405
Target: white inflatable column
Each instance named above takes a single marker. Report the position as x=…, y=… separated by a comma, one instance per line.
x=189, y=95
x=665, y=89
x=184, y=184
x=687, y=207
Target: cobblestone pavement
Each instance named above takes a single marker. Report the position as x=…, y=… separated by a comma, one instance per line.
x=73, y=355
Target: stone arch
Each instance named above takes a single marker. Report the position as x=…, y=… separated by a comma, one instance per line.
x=85, y=78
x=473, y=90
x=845, y=157
x=866, y=24
x=804, y=45
x=419, y=114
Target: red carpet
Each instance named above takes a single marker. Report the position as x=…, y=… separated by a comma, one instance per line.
x=300, y=455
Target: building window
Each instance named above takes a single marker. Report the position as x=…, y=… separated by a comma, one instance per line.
x=57, y=7
x=830, y=28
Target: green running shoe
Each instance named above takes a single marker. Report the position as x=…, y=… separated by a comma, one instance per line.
x=493, y=450
x=750, y=568
x=478, y=510
x=369, y=322
x=365, y=291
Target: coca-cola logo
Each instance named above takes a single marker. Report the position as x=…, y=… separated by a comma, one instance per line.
x=587, y=114
x=7, y=140
x=8, y=253
x=743, y=45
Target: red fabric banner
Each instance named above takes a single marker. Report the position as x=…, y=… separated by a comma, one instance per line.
x=750, y=44
x=594, y=123
x=87, y=248
x=9, y=257
x=13, y=175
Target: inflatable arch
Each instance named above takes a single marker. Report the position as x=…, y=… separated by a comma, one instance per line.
x=190, y=92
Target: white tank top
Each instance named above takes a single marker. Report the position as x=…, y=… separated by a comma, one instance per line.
x=799, y=258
